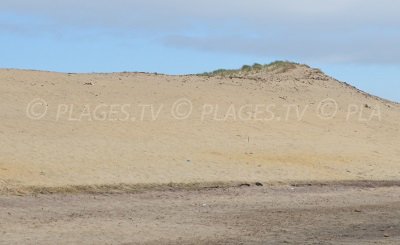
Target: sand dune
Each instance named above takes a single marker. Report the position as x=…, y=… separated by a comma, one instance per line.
x=60, y=130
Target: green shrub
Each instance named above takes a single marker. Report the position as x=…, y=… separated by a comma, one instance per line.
x=281, y=66
x=276, y=66
x=257, y=66
x=246, y=68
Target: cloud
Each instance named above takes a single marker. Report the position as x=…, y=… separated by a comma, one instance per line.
x=176, y=13
x=361, y=31
x=324, y=47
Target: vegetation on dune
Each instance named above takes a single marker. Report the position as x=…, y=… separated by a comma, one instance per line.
x=282, y=66
x=276, y=66
x=246, y=68
x=257, y=67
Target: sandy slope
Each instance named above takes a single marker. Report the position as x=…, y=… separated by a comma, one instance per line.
x=84, y=146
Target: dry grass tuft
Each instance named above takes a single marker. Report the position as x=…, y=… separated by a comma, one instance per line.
x=276, y=67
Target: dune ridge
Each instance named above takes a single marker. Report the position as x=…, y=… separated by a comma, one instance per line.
x=151, y=142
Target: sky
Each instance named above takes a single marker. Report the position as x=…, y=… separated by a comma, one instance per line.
x=356, y=41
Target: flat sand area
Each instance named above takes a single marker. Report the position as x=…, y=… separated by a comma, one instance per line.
x=333, y=214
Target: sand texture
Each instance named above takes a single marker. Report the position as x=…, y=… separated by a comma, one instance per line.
x=83, y=147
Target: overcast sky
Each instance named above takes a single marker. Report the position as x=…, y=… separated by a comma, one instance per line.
x=357, y=41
